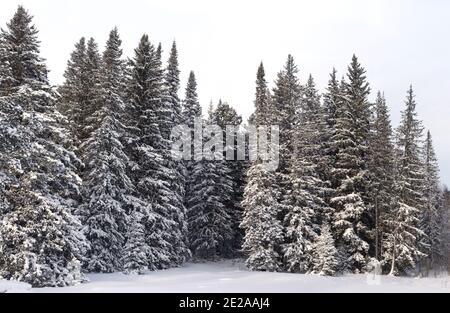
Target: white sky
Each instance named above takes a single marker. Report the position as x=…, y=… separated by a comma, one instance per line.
x=398, y=41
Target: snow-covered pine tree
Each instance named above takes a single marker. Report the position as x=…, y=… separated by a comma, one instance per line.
x=263, y=229
x=79, y=92
x=305, y=204
x=172, y=87
x=286, y=101
x=350, y=174
x=331, y=100
x=106, y=186
x=381, y=168
x=445, y=226
x=191, y=106
x=173, y=106
x=285, y=108
x=93, y=68
x=225, y=115
x=402, y=247
x=73, y=95
x=153, y=175
x=430, y=219
x=26, y=65
x=6, y=80
x=210, y=220
x=41, y=242
x=325, y=254
x=191, y=111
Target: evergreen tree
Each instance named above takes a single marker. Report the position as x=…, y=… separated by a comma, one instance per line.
x=209, y=218
x=107, y=188
x=153, y=175
x=381, y=168
x=93, y=76
x=191, y=106
x=22, y=49
x=174, y=109
x=263, y=229
x=285, y=108
x=73, y=91
x=402, y=246
x=172, y=86
x=350, y=175
x=286, y=101
x=445, y=227
x=80, y=90
x=264, y=109
x=40, y=240
x=191, y=112
x=325, y=254
x=430, y=219
x=332, y=99
x=225, y=115
x=305, y=205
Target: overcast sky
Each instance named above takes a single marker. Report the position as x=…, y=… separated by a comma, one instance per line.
x=400, y=42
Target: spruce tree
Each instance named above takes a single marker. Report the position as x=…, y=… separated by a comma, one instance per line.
x=191, y=112
x=80, y=90
x=73, y=91
x=174, y=108
x=41, y=242
x=381, y=168
x=22, y=49
x=225, y=115
x=445, y=227
x=153, y=176
x=263, y=230
x=403, y=249
x=209, y=218
x=286, y=101
x=286, y=106
x=191, y=106
x=350, y=222
x=430, y=219
x=106, y=187
x=332, y=99
x=305, y=205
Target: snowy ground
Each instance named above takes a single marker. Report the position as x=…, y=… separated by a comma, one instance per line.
x=234, y=278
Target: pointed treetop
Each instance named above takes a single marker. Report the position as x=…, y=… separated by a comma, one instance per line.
x=93, y=54
x=113, y=51
x=159, y=52
x=191, y=108
x=290, y=66
x=261, y=72
x=192, y=84
x=357, y=77
x=173, y=59
x=311, y=82
x=23, y=48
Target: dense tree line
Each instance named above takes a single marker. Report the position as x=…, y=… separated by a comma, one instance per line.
x=88, y=182
x=350, y=192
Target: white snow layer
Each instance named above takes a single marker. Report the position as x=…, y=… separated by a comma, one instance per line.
x=12, y=286
x=232, y=277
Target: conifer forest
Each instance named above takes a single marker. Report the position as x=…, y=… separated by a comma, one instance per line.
x=89, y=182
